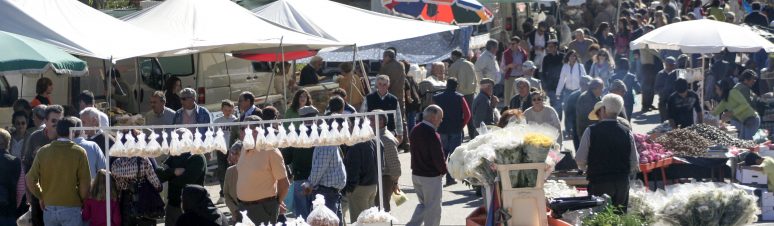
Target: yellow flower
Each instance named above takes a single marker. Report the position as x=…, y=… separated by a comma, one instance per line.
x=538, y=140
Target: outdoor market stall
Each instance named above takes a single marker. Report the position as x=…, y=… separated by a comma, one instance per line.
x=269, y=134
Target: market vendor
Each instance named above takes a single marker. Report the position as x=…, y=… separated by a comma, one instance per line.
x=608, y=154
x=763, y=164
x=734, y=106
x=682, y=104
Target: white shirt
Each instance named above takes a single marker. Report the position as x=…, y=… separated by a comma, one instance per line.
x=486, y=66
x=570, y=78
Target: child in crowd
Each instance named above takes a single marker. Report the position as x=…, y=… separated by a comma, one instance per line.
x=94, y=207
x=763, y=164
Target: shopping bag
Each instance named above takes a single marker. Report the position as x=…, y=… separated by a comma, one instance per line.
x=399, y=197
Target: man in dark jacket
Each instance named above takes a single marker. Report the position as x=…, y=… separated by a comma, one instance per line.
x=360, y=163
x=608, y=154
x=457, y=115
x=187, y=168
x=586, y=103
x=11, y=205
x=552, y=68
x=428, y=165
x=665, y=85
x=570, y=108
x=484, y=104
x=384, y=100
x=632, y=85
x=756, y=17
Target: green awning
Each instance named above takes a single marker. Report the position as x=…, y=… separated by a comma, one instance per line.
x=22, y=54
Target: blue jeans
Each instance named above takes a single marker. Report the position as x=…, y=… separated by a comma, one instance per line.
x=302, y=204
x=62, y=216
x=555, y=103
x=332, y=200
x=450, y=141
x=748, y=128
x=411, y=120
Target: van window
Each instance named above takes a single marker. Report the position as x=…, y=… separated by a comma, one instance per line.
x=261, y=67
x=178, y=65
x=151, y=73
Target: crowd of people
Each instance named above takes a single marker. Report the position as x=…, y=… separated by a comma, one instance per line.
x=590, y=83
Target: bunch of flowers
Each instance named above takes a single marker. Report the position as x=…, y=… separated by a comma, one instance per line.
x=559, y=189
x=514, y=144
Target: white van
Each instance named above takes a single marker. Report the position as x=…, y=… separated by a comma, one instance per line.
x=214, y=76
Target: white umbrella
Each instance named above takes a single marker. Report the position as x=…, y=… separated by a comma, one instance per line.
x=703, y=36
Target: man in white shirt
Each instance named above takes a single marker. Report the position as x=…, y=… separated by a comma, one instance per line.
x=486, y=65
x=85, y=100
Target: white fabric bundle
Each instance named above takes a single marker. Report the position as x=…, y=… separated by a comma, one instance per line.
x=260, y=138
x=186, y=141
x=282, y=137
x=303, y=138
x=314, y=136
x=271, y=139
x=141, y=143
x=130, y=146
x=325, y=135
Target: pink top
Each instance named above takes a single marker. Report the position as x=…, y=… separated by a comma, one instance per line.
x=94, y=212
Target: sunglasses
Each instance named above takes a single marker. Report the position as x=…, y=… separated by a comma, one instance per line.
x=537, y=99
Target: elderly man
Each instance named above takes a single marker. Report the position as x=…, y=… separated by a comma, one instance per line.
x=522, y=100
x=465, y=73
x=38, y=118
x=586, y=103
x=392, y=170
x=262, y=182
x=384, y=100
x=93, y=152
x=665, y=86
x=581, y=45
x=456, y=116
x=486, y=65
x=512, y=59
x=570, y=108
x=230, y=183
x=90, y=118
x=187, y=168
x=159, y=114
x=632, y=86
x=484, y=104
x=428, y=165
x=608, y=154
x=529, y=69
x=11, y=177
x=309, y=74
x=59, y=177
x=85, y=100
x=397, y=74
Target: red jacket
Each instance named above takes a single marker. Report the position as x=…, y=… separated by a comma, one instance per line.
x=508, y=58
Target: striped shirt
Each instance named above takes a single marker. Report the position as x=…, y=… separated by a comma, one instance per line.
x=328, y=168
x=391, y=165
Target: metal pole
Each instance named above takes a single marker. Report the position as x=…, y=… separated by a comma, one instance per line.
x=111, y=77
x=271, y=80
x=284, y=81
x=379, y=163
x=351, y=83
x=107, y=178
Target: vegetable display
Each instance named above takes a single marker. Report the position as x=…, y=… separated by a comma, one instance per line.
x=684, y=142
x=720, y=137
x=648, y=150
x=610, y=217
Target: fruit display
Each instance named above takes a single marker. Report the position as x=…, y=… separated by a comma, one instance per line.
x=648, y=150
x=684, y=142
x=720, y=137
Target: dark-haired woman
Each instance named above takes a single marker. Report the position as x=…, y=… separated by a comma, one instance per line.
x=569, y=79
x=734, y=107
x=173, y=85
x=300, y=99
x=43, y=88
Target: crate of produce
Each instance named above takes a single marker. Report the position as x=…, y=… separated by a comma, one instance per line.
x=749, y=176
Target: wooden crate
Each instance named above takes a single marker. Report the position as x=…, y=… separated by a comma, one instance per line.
x=527, y=206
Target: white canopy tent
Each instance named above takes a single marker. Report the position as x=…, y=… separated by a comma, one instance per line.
x=703, y=36
x=364, y=28
x=81, y=30
x=220, y=26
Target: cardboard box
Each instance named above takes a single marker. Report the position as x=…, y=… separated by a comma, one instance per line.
x=748, y=176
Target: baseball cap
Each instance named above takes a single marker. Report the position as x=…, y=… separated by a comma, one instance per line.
x=528, y=65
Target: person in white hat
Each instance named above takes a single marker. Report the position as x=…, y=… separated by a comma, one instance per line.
x=529, y=68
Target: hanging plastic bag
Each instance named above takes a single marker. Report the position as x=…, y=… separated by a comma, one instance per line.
x=220, y=142
x=271, y=139
x=292, y=136
x=174, y=145
x=209, y=144
x=324, y=134
x=260, y=138
x=314, y=136
x=334, y=134
x=141, y=143
x=374, y=216
x=282, y=137
x=117, y=150
x=303, y=137
x=399, y=197
x=130, y=146
x=153, y=148
x=367, y=131
x=198, y=144
x=248, y=142
x=321, y=215
x=186, y=141
x=354, y=136
x=164, y=143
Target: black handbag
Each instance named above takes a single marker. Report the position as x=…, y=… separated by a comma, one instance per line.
x=146, y=200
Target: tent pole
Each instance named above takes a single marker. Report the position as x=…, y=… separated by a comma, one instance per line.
x=379, y=162
x=271, y=80
x=284, y=80
x=111, y=76
x=351, y=83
